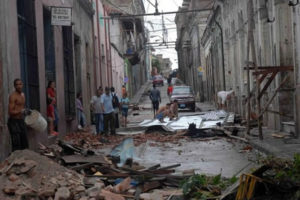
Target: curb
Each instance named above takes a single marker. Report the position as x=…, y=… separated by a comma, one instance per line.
x=268, y=149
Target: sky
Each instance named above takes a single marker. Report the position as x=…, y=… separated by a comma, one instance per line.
x=154, y=23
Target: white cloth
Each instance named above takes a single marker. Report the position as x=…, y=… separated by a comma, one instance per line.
x=96, y=101
x=223, y=95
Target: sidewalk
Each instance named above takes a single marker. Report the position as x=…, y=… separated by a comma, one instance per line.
x=279, y=147
x=137, y=97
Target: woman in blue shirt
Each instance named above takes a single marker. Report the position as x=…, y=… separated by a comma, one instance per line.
x=124, y=107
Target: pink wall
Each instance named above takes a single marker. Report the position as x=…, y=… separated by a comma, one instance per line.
x=101, y=44
x=117, y=71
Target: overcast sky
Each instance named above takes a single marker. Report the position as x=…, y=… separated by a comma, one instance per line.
x=156, y=21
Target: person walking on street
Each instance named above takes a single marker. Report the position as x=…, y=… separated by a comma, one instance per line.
x=155, y=98
x=116, y=106
x=124, y=108
x=96, y=107
x=16, y=123
x=80, y=114
x=108, y=110
x=123, y=90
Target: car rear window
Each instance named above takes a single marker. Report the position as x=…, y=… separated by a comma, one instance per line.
x=182, y=90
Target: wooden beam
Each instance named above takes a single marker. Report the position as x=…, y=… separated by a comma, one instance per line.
x=284, y=68
x=267, y=84
x=271, y=99
x=261, y=79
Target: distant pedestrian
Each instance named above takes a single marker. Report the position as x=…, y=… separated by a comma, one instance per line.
x=124, y=108
x=123, y=90
x=170, y=90
x=108, y=110
x=155, y=98
x=96, y=107
x=16, y=124
x=80, y=112
x=116, y=106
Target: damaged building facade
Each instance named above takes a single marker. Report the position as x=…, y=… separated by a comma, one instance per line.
x=224, y=46
x=190, y=28
x=79, y=58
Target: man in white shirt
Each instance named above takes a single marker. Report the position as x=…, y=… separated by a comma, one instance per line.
x=222, y=98
x=96, y=107
x=108, y=112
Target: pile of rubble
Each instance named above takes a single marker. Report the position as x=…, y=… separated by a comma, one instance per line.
x=28, y=175
x=73, y=172
x=91, y=141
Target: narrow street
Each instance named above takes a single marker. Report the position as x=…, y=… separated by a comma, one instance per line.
x=72, y=72
x=212, y=157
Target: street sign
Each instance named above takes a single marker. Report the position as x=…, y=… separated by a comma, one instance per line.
x=61, y=16
x=200, y=71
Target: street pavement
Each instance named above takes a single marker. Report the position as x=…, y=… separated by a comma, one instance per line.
x=212, y=156
x=270, y=145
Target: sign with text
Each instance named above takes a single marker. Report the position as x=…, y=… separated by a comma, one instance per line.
x=61, y=16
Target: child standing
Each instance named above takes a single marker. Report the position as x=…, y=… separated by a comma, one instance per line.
x=51, y=116
x=124, y=107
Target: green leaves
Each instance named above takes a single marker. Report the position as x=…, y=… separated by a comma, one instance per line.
x=202, y=186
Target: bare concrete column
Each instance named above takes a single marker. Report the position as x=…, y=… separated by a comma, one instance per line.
x=296, y=27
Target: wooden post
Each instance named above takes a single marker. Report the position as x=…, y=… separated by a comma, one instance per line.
x=248, y=75
x=251, y=45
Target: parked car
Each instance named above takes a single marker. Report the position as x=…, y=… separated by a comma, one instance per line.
x=176, y=81
x=158, y=80
x=185, y=97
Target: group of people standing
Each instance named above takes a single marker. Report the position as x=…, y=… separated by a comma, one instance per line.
x=169, y=110
x=105, y=108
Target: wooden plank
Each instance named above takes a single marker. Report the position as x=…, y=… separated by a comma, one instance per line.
x=153, y=167
x=151, y=185
x=83, y=166
x=99, y=159
x=170, y=167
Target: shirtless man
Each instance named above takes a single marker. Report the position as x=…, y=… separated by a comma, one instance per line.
x=163, y=112
x=16, y=124
x=174, y=110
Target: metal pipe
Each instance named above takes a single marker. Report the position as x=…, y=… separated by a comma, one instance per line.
x=223, y=59
x=99, y=43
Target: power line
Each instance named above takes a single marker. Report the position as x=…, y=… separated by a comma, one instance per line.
x=155, y=14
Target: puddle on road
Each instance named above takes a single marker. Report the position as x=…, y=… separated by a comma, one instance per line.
x=205, y=157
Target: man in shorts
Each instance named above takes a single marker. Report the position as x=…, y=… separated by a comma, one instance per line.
x=155, y=98
x=16, y=123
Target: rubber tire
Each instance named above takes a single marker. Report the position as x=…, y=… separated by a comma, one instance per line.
x=193, y=108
